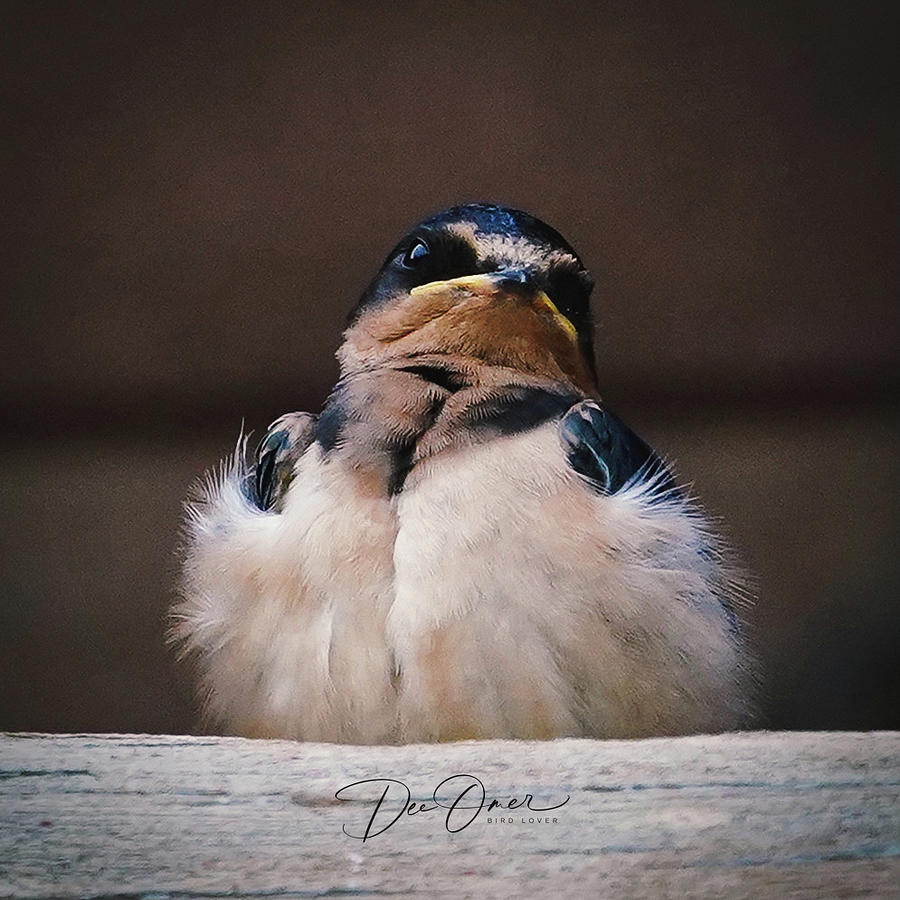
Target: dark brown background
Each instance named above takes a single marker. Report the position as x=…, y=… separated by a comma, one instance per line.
x=197, y=194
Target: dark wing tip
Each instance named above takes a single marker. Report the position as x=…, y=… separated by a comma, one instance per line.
x=602, y=449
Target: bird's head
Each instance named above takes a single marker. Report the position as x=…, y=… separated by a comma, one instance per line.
x=478, y=285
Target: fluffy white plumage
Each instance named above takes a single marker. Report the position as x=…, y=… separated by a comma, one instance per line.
x=497, y=595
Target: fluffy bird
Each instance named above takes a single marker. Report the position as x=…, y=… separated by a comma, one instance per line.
x=465, y=542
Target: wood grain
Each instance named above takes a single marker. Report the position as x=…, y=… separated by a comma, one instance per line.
x=755, y=815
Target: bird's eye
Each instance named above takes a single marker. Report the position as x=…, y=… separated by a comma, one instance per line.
x=416, y=252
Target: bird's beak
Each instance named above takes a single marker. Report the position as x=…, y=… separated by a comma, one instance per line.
x=510, y=282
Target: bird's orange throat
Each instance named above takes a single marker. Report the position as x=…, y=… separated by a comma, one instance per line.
x=473, y=323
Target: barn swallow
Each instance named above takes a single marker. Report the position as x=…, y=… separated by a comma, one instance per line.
x=465, y=542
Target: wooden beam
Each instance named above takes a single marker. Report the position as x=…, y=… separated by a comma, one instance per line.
x=756, y=815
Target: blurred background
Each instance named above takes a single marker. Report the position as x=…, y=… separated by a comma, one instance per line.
x=196, y=194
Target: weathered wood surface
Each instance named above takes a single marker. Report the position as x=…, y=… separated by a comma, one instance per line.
x=755, y=815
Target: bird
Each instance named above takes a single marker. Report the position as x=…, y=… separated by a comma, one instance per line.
x=465, y=543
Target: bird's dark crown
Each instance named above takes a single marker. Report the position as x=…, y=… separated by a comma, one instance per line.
x=480, y=238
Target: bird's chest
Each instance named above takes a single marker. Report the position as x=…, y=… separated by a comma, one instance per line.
x=426, y=574
x=437, y=598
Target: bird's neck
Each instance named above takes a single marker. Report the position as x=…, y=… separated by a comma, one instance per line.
x=383, y=420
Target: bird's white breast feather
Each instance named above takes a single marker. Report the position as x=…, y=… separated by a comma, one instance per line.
x=497, y=595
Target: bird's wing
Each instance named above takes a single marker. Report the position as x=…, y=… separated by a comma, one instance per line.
x=286, y=440
x=604, y=451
